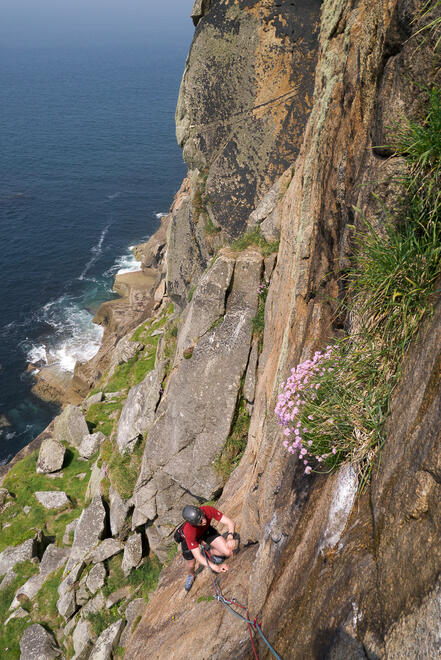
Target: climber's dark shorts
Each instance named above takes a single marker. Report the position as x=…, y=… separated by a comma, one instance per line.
x=209, y=535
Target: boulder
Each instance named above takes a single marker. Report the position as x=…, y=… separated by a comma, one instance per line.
x=88, y=533
x=95, y=398
x=19, y=613
x=67, y=604
x=106, y=549
x=107, y=642
x=9, y=577
x=94, y=605
x=13, y=555
x=96, y=476
x=37, y=644
x=70, y=427
x=51, y=561
x=52, y=499
x=139, y=410
x=132, y=553
x=51, y=456
x=82, y=639
x=90, y=444
x=119, y=514
x=118, y=595
x=96, y=578
x=82, y=594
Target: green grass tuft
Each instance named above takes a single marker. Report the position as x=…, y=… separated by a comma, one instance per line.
x=23, y=481
x=255, y=239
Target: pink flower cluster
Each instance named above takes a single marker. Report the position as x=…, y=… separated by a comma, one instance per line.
x=291, y=402
x=262, y=287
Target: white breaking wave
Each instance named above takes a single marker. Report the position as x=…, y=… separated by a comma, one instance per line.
x=75, y=337
x=96, y=251
x=127, y=263
x=160, y=215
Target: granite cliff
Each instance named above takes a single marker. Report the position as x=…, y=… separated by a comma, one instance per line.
x=285, y=114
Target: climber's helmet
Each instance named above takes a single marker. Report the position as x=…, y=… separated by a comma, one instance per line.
x=193, y=514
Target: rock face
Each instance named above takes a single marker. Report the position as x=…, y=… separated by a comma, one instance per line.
x=334, y=579
x=119, y=512
x=187, y=435
x=37, y=644
x=139, y=410
x=242, y=108
x=52, y=499
x=51, y=456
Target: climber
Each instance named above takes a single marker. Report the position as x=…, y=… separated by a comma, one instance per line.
x=196, y=529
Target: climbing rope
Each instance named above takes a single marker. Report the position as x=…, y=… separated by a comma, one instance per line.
x=251, y=624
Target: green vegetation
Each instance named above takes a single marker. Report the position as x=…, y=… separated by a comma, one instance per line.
x=122, y=470
x=23, y=481
x=255, y=239
x=146, y=577
x=346, y=397
x=103, y=619
x=45, y=611
x=103, y=416
x=236, y=442
x=210, y=228
x=259, y=319
x=12, y=632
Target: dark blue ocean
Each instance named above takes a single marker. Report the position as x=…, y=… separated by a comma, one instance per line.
x=88, y=162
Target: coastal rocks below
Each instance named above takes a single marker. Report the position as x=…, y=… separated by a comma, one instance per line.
x=70, y=426
x=51, y=456
x=37, y=644
x=187, y=435
x=54, y=385
x=52, y=499
x=88, y=532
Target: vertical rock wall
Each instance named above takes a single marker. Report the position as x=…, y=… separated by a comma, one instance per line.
x=323, y=568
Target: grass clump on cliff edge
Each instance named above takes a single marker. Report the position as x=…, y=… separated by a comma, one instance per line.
x=254, y=238
x=333, y=407
x=236, y=442
x=23, y=481
x=122, y=470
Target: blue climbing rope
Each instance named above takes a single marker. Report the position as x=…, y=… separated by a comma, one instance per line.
x=254, y=624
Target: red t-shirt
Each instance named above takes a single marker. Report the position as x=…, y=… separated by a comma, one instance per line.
x=194, y=534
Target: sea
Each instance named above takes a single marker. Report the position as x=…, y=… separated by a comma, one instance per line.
x=88, y=165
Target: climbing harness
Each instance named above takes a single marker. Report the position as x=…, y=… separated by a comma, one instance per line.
x=251, y=624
